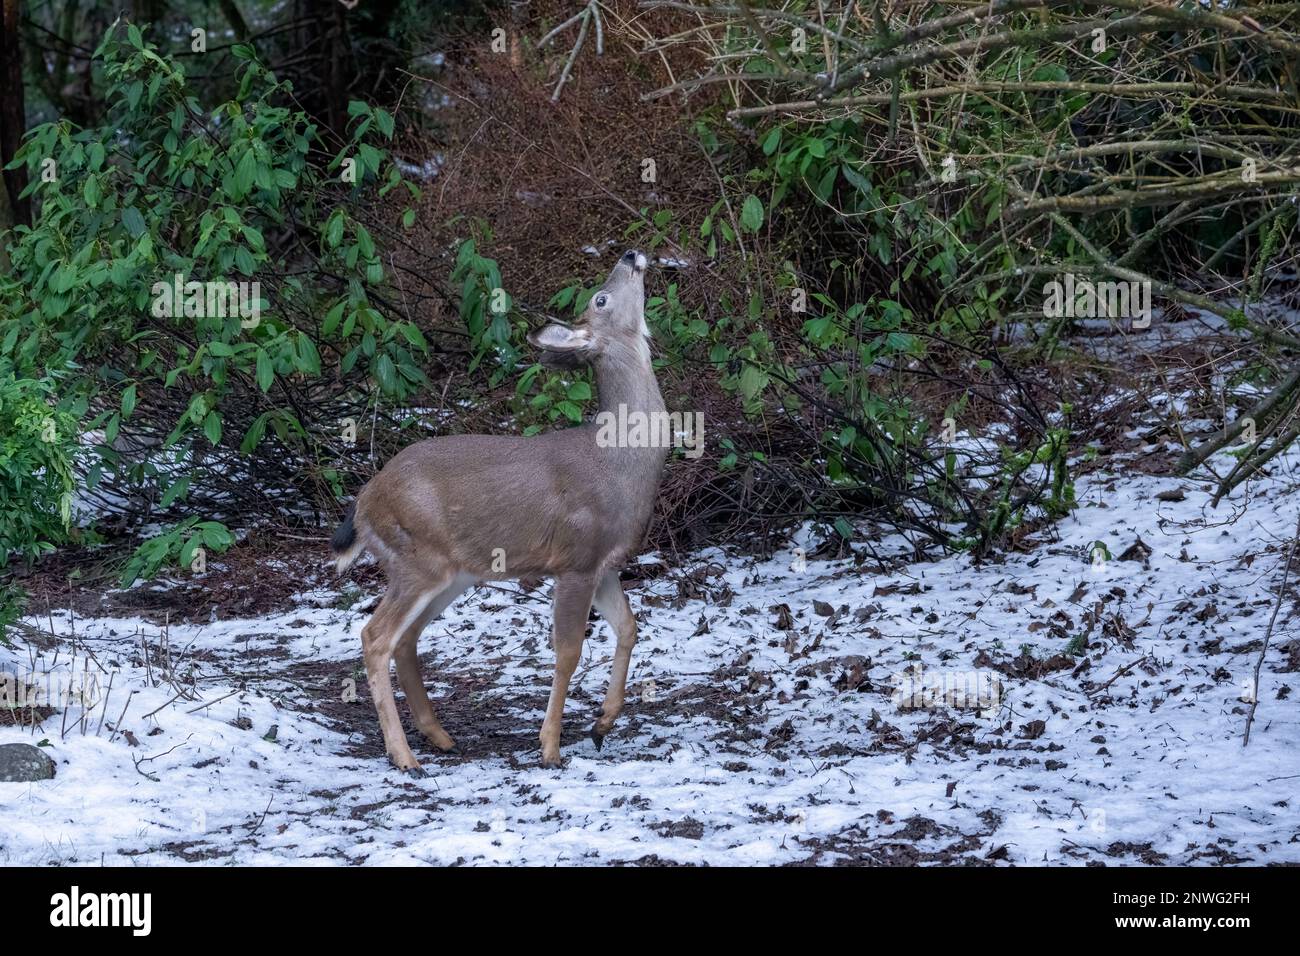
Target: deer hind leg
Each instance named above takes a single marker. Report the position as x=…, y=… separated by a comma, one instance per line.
x=379, y=640
x=573, y=594
x=612, y=604
x=408, y=666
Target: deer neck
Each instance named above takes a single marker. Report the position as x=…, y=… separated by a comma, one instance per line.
x=630, y=408
x=625, y=381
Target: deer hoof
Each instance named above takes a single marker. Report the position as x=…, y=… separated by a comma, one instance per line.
x=416, y=773
x=453, y=751
x=597, y=737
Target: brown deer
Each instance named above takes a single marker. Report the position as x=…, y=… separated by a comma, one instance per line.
x=448, y=513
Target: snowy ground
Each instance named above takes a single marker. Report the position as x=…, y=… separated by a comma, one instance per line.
x=763, y=725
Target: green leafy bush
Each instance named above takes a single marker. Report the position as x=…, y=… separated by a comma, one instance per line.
x=38, y=444
x=823, y=351
x=497, y=340
x=221, y=404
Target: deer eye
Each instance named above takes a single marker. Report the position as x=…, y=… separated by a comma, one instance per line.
x=601, y=300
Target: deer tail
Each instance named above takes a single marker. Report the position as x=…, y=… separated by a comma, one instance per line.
x=345, y=544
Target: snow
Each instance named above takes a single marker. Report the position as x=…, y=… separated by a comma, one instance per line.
x=742, y=742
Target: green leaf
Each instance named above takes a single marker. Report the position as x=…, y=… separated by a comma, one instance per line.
x=415, y=336
x=244, y=173
x=254, y=433
x=826, y=184
x=128, y=400
x=856, y=179
x=212, y=427
x=215, y=535
x=133, y=221
x=265, y=371
x=365, y=243
x=309, y=358
x=752, y=381
x=579, y=391
x=186, y=556
x=386, y=373
x=178, y=489
x=334, y=229
x=751, y=213
x=332, y=318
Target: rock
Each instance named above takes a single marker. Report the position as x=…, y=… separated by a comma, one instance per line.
x=23, y=762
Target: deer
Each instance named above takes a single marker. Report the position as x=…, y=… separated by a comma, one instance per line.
x=452, y=512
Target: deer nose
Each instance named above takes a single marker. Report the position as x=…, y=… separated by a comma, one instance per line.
x=635, y=259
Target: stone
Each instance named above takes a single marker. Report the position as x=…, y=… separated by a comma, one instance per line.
x=20, y=763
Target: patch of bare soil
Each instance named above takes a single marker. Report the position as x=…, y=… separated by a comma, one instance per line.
x=919, y=840
x=260, y=575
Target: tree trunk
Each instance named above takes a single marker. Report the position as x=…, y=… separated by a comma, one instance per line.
x=13, y=115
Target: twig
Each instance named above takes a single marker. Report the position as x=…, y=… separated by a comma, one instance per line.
x=1117, y=675
x=103, y=712
x=1259, y=661
x=118, y=725
x=140, y=760
x=556, y=32
x=262, y=819
x=161, y=707
x=1029, y=86
x=586, y=15
x=600, y=28
x=212, y=702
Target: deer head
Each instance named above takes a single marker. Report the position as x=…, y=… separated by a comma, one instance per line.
x=612, y=327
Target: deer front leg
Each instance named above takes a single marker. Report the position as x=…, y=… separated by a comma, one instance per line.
x=572, y=604
x=612, y=604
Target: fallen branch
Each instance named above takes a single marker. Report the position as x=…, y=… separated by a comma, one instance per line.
x=1259, y=661
x=588, y=14
x=1117, y=90
x=1193, y=457
x=1117, y=675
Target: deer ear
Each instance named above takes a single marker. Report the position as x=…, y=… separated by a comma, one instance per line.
x=560, y=338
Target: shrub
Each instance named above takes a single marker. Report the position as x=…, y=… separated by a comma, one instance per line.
x=198, y=401
x=38, y=444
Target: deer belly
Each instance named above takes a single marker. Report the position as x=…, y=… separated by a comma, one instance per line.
x=510, y=543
